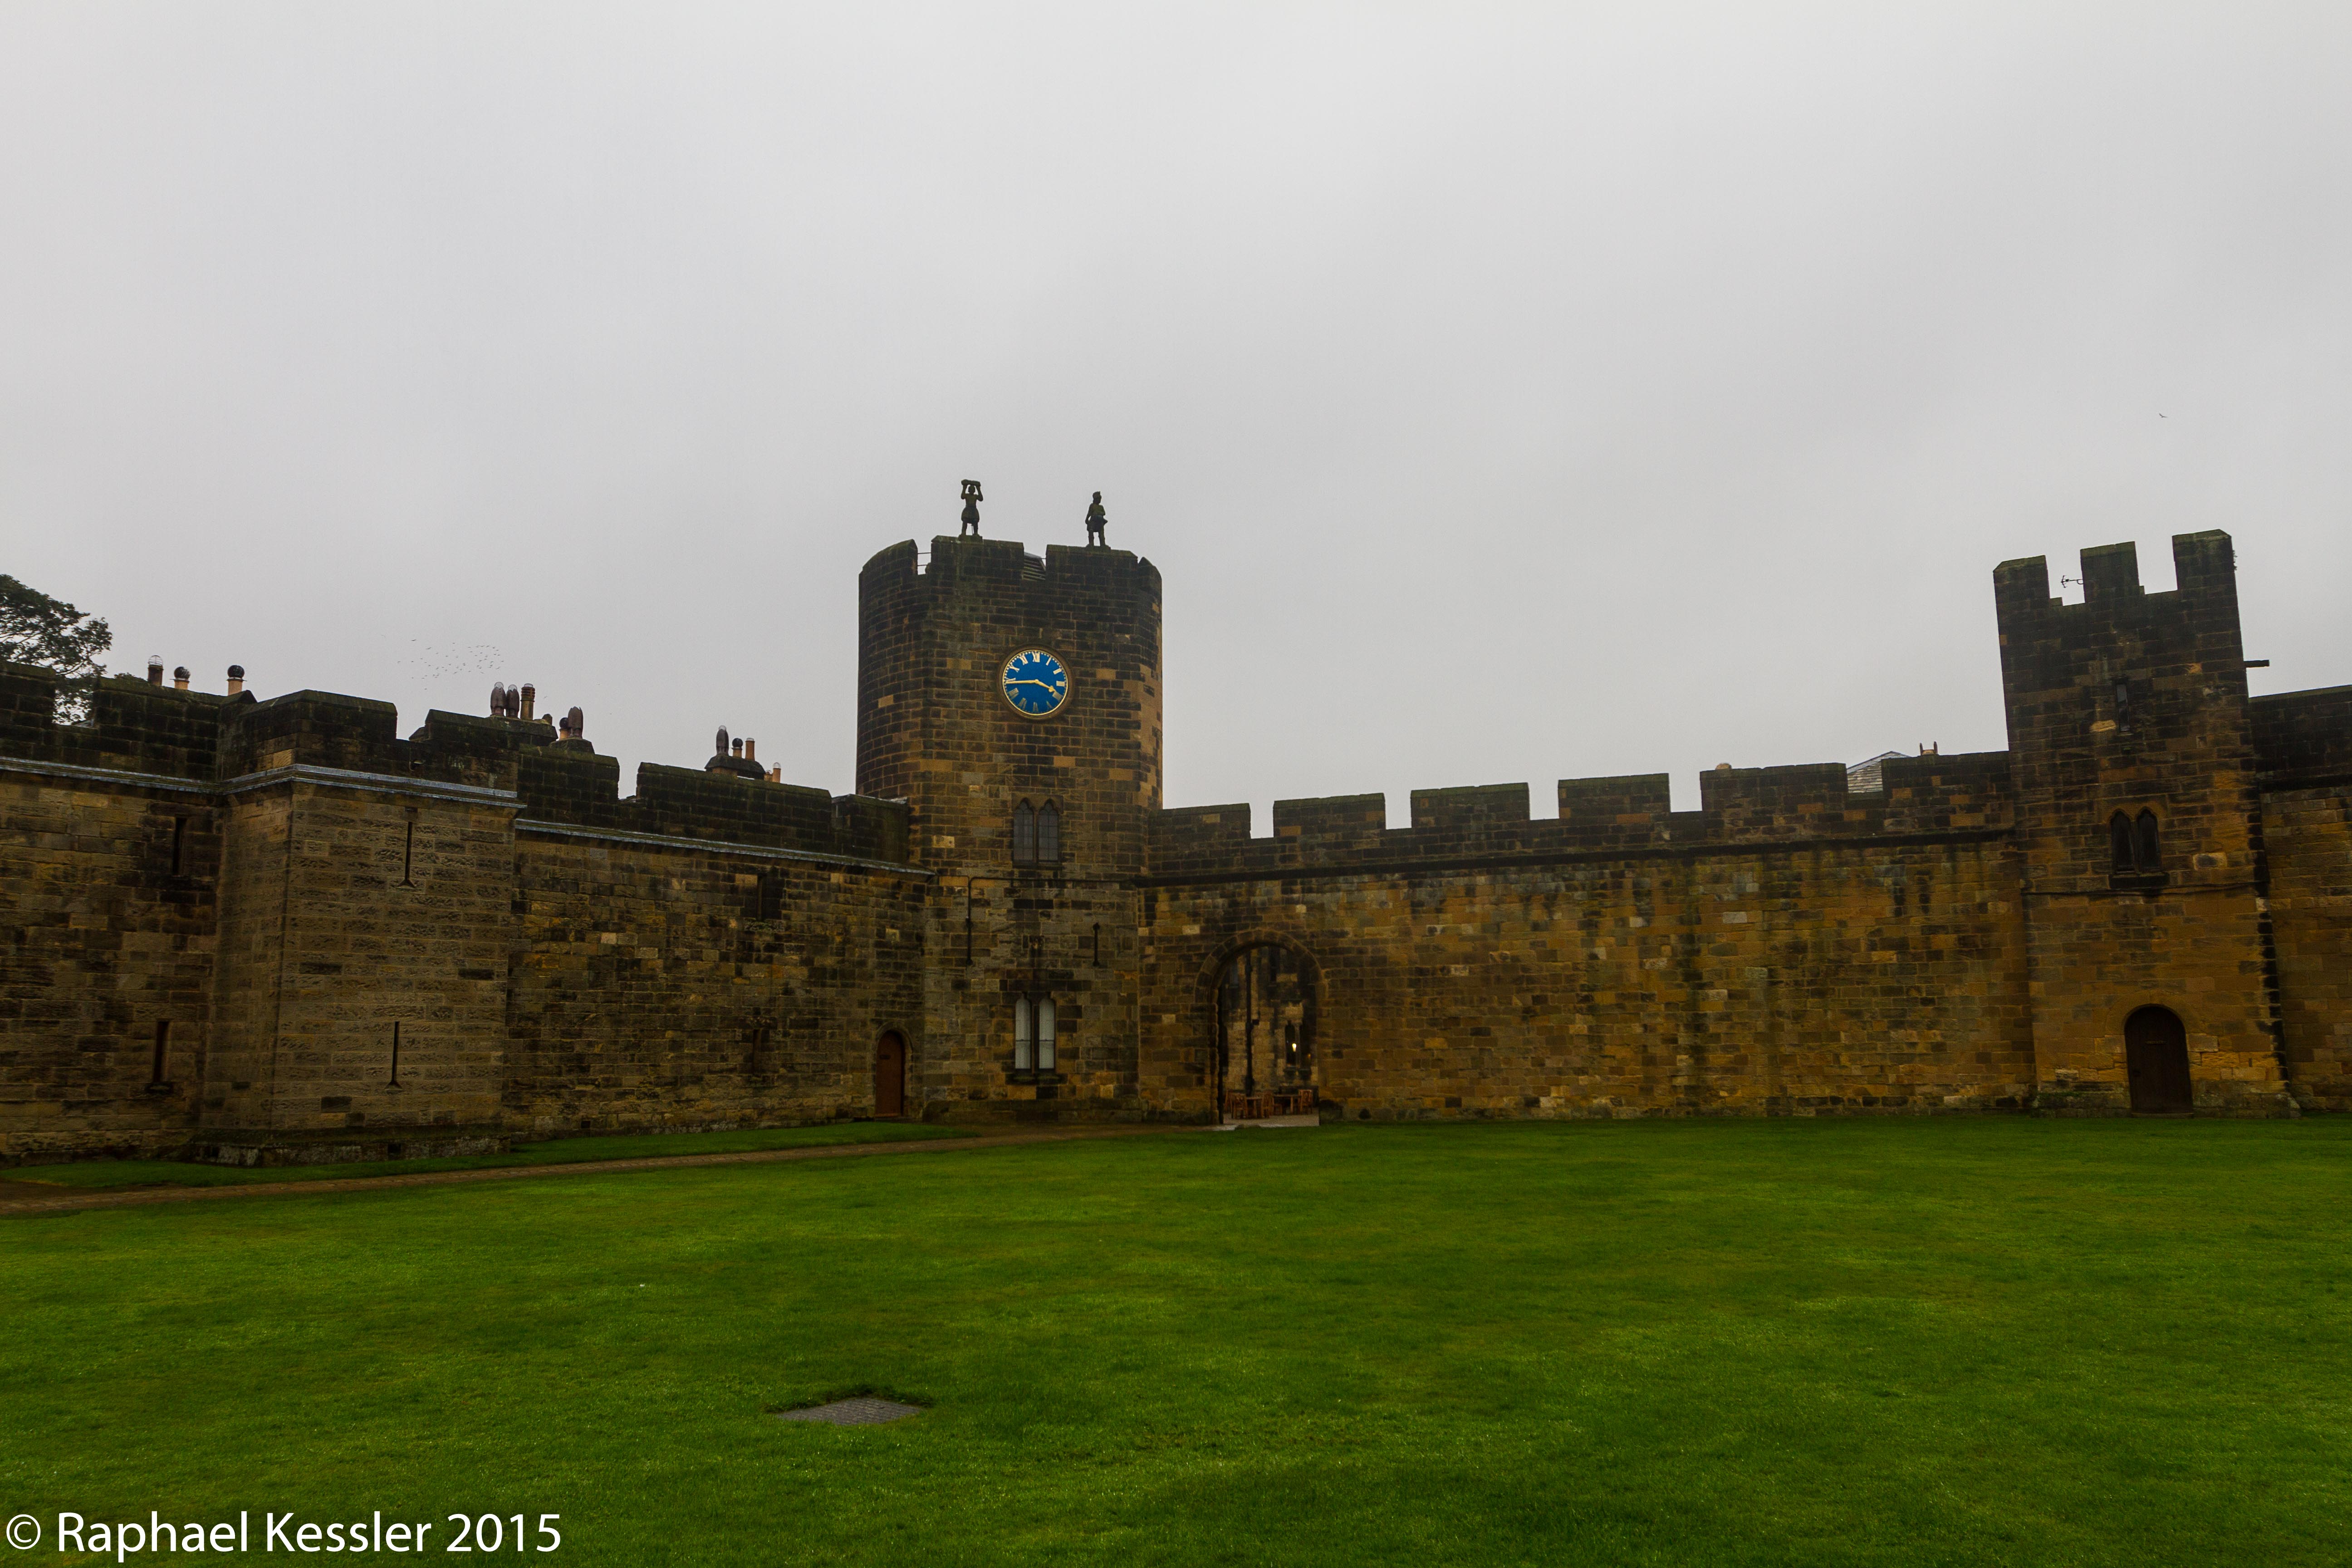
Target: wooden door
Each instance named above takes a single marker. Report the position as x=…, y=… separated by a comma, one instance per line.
x=2156, y=1061
x=890, y=1075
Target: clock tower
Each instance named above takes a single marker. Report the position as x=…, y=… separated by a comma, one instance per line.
x=1013, y=703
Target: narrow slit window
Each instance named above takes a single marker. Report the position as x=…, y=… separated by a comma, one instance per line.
x=1024, y=834
x=1049, y=834
x=2119, y=843
x=1025, y=1039
x=162, y=1070
x=1045, y=1010
x=179, y=842
x=2151, y=848
x=408, y=853
x=1098, y=944
x=396, y=1055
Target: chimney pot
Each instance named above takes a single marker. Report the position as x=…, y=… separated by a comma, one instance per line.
x=498, y=697
x=180, y=678
x=154, y=669
x=738, y=748
x=751, y=751
x=530, y=698
x=235, y=678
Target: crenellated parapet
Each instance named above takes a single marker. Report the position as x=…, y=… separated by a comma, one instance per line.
x=140, y=731
x=131, y=725
x=1742, y=810
x=577, y=788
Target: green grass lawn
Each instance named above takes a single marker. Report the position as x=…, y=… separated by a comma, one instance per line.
x=554, y=1151
x=1811, y=1342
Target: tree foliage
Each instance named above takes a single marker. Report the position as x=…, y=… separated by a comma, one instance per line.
x=38, y=630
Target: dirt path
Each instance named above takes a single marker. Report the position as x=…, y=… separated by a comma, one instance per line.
x=57, y=1200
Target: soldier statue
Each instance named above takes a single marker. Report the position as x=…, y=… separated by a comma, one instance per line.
x=971, y=510
x=1096, y=523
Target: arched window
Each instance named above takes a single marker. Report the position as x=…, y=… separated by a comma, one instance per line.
x=1033, y=1034
x=1049, y=834
x=2136, y=845
x=1024, y=834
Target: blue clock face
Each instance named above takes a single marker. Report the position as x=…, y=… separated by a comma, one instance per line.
x=1036, y=683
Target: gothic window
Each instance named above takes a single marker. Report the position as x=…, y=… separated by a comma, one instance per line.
x=1049, y=834
x=1024, y=834
x=1033, y=1034
x=2134, y=847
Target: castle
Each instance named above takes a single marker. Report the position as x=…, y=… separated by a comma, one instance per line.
x=277, y=930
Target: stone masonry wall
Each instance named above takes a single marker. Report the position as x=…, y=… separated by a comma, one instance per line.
x=685, y=988
x=102, y=943
x=107, y=913
x=2309, y=835
x=398, y=913
x=1713, y=979
x=2303, y=741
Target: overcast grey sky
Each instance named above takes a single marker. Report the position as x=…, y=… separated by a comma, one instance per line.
x=1505, y=393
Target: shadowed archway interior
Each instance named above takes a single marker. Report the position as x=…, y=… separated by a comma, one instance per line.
x=2156, y=1061
x=890, y=1074
x=1266, y=1024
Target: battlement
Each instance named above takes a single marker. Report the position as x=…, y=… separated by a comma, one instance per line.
x=2205, y=576
x=992, y=564
x=562, y=786
x=201, y=738
x=133, y=725
x=1742, y=810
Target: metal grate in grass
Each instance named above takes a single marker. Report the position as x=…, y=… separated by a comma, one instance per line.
x=853, y=1411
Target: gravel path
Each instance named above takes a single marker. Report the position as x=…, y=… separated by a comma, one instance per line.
x=15, y=1198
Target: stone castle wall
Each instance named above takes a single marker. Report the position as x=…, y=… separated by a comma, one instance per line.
x=219, y=910
x=281, y=885
x=1784, y=948
x=2304, y=741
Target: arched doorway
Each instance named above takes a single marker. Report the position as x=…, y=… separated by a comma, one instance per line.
x=1266, y=1033
x=2156, y=1062
x=890, y=1074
